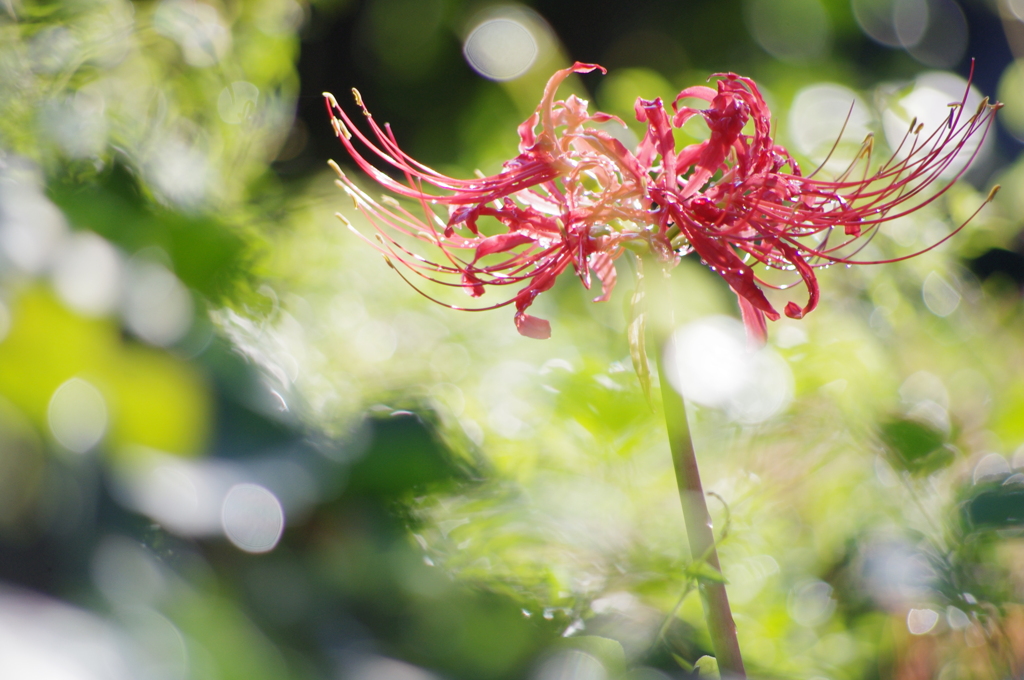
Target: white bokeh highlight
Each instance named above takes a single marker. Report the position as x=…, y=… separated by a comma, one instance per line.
x=934, y=32
x=237, y=102
x=709, y=362
x=198, y=29
x=810, y=603
x=252, y=518
x=43, y=639
x=956, y=618
x=77, y=415
x=156, y=306
x=77, y=122
x=31, y=226
x=910, y=21
x=203, y=498
x=183, y=496
x=928, y=102
x=921, y=621
x=875, y=18
x=939, y=295
x=820, y=113
x=894, y=573
x=86, y=274
x=571, y=665
x=501, y=48
x=180, y=170
x=992, y=467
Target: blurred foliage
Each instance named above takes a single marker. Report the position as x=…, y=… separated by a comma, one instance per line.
x=915, y=446
x=207, y=255
x=183, y=322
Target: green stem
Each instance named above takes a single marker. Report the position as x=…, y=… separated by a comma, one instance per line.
x=699, y=532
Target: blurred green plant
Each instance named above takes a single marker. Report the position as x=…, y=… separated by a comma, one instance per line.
x=174, y=316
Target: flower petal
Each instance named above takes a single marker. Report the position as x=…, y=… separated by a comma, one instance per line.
x=754, y=322
x=532, y=327
x=602, y=266
x=501, y=243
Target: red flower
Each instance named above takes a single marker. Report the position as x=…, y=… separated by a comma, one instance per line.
x=742, y=195
x=553, y=200
x=575, y=195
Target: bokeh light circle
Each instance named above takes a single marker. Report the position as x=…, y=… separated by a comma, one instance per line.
x=77, y=415
x=252, y=518
x=817, y=117
x=709, y=362
x=157, y=307
x=1011, y=93
x=237, y=102
x=921, y=621
x=789, y=30
x=928, y=102
x=87, y=274
x=910, y=19
x=875, y=18
x=939, y=296
x=571, y=665
x=500, y=48
x=942, y=40
x=934, y=32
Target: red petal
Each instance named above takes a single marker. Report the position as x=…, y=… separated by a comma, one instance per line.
x=527, y=137
x=659, y=130
x=532, y=327
x=697, y=92
x=725, y=118
x=473, y=286
x=545, y=108
x=726, y=264
x=810, y=282
x=603, y=267
x=754, y=322
x=500, y=243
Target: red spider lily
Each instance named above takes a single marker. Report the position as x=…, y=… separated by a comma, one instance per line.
x=575, y=195
x=553, y=199
x=738, y=194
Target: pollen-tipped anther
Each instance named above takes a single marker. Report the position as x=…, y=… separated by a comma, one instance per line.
x=337, y=169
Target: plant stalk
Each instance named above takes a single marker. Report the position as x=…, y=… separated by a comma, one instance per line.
x=699, y=532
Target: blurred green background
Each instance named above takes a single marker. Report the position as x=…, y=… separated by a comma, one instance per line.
x=234, y=445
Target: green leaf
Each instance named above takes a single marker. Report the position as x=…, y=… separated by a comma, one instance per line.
x=404, y=455
x=707, y=667
x=914, y=446
x=683, y=663
x=999, y=507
